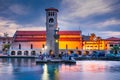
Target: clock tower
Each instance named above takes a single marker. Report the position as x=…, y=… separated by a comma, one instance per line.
x=51, y=26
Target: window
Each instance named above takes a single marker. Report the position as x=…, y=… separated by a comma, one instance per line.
x=49, y=14
x=19, y=46
x=19, y=53
x=111, y=45
x=51, y=20
x=43, y=46
x=31, y=46
x=53, y=13
x=13, y=53
x=33, y=53
x=26, y=53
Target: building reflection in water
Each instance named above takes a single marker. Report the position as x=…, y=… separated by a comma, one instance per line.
x=84, y=66
x=51, y=72
x=13, y=65
x=45, y=75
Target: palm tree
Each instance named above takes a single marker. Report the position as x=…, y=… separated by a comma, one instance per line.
x=115, y=49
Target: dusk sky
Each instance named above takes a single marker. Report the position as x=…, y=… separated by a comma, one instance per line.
x=101, y=17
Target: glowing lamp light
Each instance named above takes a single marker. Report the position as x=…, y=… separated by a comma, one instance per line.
x=45, y=47
x=56, y=41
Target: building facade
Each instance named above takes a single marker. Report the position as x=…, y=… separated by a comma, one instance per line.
x=112, y=42
x=31, y=43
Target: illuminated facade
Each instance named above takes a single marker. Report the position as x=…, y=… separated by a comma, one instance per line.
x=33, y=42
x=30, y=43
x=94, y=43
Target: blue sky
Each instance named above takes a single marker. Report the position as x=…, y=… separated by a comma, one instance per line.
x=101, y=17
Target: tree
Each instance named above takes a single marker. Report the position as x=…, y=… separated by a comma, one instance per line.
x=115, y=49
x=6, y=47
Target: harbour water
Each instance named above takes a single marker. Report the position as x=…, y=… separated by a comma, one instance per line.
x=27, y=69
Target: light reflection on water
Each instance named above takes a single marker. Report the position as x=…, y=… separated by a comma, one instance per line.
x=27, y=69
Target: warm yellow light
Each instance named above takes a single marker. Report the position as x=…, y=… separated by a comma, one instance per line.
x=56, y=41
x=45, y=47
x=45, y=73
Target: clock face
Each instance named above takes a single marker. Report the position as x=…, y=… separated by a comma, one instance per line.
x=51, y=20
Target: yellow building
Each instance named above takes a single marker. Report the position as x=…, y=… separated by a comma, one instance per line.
x=93, y=43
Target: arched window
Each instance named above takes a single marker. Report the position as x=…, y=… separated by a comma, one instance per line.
x=19, y=46
x=33, y=53
x=13, y=53
x=51, y=20
x=26, y=53
x=31, y=46
x=19, y=53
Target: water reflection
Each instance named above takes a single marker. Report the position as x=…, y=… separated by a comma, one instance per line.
x=85, y=66
x=26, y=69
x=16, y=65
x=45, y=75
x=51, y=72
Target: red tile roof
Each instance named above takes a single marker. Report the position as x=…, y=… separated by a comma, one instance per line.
x=32, y=33
x=112, y=39
x=23, y=36
x=69, y=32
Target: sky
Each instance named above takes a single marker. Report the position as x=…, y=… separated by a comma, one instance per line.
x=101, y=17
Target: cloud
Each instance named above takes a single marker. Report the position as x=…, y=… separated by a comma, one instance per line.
x=8, y=26
x=76, y=12
x=107, y=23
x=109, y=34
x=85, y=8
x=19, y=9
x=11, y=26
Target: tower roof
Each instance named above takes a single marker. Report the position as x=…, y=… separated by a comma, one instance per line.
x=51, y=9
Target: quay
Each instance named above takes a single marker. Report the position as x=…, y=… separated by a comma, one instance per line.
x=56, y=61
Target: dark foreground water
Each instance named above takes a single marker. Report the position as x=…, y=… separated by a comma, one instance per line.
x=27, y=69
